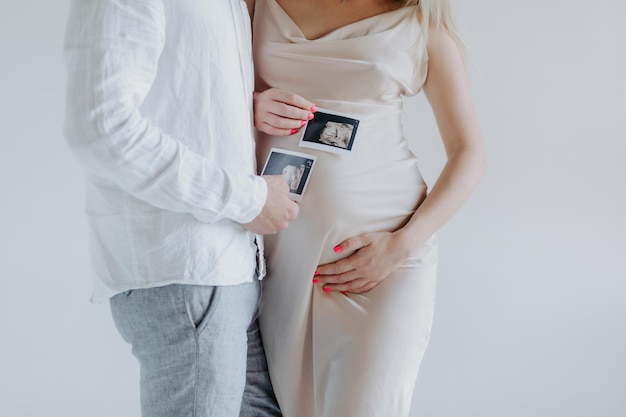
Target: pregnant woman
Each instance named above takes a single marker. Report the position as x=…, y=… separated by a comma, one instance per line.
x=349, y=297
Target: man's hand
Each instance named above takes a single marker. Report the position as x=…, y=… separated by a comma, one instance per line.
x=278, y=210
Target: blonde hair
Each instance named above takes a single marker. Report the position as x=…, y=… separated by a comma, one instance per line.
x=436, y=14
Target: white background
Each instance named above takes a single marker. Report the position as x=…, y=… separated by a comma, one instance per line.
x=531, y=315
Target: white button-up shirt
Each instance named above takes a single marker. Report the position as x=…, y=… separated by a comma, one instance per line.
x=159, y=114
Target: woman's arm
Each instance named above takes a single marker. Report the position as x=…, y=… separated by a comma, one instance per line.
x=448, y=93
x=378, y=254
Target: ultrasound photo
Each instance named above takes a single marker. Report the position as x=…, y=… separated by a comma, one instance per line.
x=330, y=132
x=294, y=166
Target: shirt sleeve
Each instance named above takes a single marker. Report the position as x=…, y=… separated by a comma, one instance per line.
x=112, y=49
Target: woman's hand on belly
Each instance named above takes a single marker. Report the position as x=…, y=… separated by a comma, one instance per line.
x=281, y=113
x=376, y=256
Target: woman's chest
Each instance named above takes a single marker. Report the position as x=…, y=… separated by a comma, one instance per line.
x=317, y=19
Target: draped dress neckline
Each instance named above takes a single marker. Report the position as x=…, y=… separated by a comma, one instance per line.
x=297, y=35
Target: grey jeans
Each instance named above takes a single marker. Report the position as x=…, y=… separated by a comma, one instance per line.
x=199, y=350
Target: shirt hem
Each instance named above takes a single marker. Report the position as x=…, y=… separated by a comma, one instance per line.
x=104, y=294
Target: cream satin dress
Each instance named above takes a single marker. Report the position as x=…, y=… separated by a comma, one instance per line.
x=330, y=354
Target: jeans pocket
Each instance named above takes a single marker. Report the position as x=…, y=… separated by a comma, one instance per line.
x=200, y=303
x=124, y=314
x=259, y=301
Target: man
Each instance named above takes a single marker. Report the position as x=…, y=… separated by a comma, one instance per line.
x=159, y=114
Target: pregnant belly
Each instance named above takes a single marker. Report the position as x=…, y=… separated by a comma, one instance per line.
x=375, y=188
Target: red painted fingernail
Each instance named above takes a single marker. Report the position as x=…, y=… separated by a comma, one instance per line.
x=310, y=116
x=326, y=289
x=315, y=280
x=316, y=272
x=294, y=131
x=313, y=108
x=337, y=249
x=302, y=123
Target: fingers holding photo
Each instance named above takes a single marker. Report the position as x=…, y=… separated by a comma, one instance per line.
x=281, y=113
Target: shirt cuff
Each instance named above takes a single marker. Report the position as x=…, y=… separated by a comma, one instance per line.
x=248, y=199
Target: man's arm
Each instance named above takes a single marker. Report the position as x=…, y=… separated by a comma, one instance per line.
x=112, y=51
